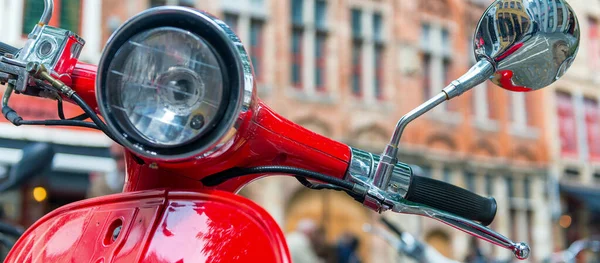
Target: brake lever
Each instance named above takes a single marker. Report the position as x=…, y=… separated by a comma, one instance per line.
x=361, y=172
x=520, y=250
x=399, y=205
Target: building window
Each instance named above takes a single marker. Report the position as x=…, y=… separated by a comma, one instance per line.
x=379, y=72
x=249, y=26
x=69, y=16
x=320, y=61
x=527, y=188
x=489, y=185
x=592, y=121
x=594, y=43
x=447, y=175
x=187, y=3
x=32, y=14
x=426, y=77
x=436, y=49
x=357, y=47
x=357, y=68
x=321, y=15
x=297, y=57
x=256, y=47
x=320, y=45
x=356, y=23
x=296, y=12
x=368, y=53
x=232, y=21
x=567, y=124
x=378, y=56
x=510, y=187
x=470, y=181
x=314, y=65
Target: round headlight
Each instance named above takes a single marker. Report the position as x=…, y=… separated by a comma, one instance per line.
x=172, y=82
x=166, y=86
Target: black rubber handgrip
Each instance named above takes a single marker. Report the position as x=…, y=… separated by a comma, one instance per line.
x=453, y=199
x=6, y=48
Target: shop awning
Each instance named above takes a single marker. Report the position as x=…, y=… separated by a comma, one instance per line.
x=588, y=195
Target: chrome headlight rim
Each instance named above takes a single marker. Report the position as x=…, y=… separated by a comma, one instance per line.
x=238, y=82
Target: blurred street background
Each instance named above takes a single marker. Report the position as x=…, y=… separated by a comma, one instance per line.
x=349, y=69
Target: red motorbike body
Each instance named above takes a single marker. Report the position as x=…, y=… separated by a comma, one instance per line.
x=167, y=215
x=155, y=226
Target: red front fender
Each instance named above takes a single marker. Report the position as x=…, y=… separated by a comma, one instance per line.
x=156, y=226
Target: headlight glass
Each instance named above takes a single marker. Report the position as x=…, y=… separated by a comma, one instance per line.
x=165, y=86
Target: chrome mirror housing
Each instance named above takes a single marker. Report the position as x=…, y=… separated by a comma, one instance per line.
x=532, y=43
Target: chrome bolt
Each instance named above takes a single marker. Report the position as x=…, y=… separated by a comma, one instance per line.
x=116, y=233
x=197, y=122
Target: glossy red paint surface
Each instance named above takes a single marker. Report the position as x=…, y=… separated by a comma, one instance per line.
x=197, y=224
x=264, y=138
x=505, y=79
x=508, y=52
x=157, y=226
x=84, y=83
x=67, y=61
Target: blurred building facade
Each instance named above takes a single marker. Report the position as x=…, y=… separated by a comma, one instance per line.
x=573, y=131
x=79, y=152
x=349, y=69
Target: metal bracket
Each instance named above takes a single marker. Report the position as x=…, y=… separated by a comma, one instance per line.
x=14, y=69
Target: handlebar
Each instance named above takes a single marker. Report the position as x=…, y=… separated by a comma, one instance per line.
x=452, y=199
x=409, y=193
x=6, y=48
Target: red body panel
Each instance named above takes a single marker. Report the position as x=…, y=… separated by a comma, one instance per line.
x=188, y=222
x=157, y=226
x=265, y=138
x=68, y=60
x=84, y=83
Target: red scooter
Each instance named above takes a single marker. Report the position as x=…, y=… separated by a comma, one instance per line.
x=175, y=87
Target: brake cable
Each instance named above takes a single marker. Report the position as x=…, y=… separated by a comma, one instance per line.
x=39, y=71
x=356, y=191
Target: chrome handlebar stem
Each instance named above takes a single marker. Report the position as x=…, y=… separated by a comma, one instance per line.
x=479, y=73
x=44, y=20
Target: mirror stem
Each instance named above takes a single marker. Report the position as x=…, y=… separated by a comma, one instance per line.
x=44, y=19
x=479, y=73
x=48, y=9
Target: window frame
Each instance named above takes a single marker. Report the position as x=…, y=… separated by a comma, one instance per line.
x=56, y=16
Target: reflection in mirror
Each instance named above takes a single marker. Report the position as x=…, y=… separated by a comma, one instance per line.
x=531, y=42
